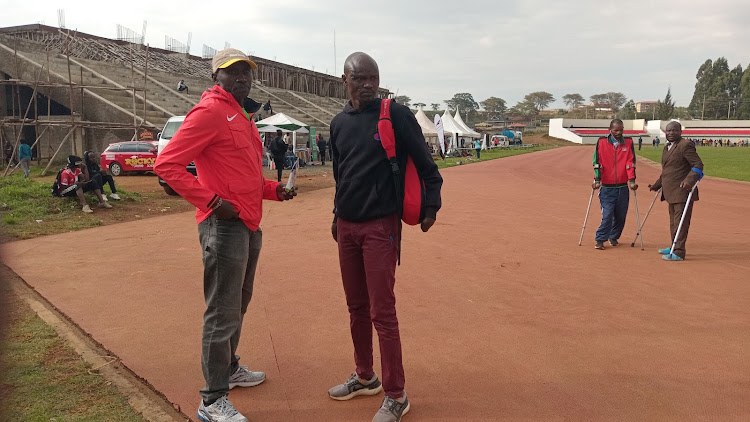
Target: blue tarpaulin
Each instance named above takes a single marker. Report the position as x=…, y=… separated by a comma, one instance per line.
x=508, y=134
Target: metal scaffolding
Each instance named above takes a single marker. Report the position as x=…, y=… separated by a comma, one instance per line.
x=18, y=121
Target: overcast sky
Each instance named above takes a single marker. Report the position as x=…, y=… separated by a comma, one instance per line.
x=432, y=50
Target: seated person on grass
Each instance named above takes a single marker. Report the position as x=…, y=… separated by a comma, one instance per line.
x=100, y=175
x=74, y=181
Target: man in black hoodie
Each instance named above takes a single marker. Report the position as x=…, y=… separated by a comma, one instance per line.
x=278, y=149
x=367, y=228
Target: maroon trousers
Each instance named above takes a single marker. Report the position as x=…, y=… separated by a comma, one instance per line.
x=367, y=254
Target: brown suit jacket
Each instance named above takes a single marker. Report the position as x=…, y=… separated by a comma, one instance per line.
x=676, y=168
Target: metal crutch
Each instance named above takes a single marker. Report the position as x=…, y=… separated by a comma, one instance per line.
x=640, y=229
x=682, y=219
x=637, y=216
x=587, y=216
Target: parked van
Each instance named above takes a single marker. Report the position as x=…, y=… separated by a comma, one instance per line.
x=166, y=134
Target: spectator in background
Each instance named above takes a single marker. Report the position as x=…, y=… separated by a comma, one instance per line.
x=101, y=176
x=640, y=142
x=74, y=181
x=8, y=152
x=477, y=147
x=322, y=145
x=181, y=86
x=24, y=157
x=278, y=150
x=267, y=107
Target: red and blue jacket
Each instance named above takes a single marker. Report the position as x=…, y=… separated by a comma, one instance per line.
x=224, y=143
x=614, y=166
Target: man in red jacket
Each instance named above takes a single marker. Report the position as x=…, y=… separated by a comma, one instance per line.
x=219, y=135
x=614, y=172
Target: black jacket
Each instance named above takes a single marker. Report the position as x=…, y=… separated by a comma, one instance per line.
x=278, y=148
x=364, y=181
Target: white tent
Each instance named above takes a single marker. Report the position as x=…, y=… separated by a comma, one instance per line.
x=453, y=129
x=272, y=128
x=428, y=129
x=282, y=121
x=460, y=121
x=286, y=124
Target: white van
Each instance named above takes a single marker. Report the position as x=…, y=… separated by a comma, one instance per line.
x=170, y=128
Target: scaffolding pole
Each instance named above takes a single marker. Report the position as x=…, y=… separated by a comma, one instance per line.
x=20, y=132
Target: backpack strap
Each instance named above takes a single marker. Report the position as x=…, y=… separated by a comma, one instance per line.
x=388, y=141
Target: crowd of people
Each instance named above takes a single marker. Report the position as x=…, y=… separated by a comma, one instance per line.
x=719, y=142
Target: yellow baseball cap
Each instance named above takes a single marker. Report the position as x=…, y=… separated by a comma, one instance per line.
x=228, y=57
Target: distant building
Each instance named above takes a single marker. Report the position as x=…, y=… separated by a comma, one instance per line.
x=644, y=106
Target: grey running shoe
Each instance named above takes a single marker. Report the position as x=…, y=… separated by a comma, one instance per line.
x=392, y=410
x=244, y=377
x=355, y=386
x=220, y=411
x=599, y=245
x=613, y=242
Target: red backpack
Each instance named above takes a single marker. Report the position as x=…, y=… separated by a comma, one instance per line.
x=413, y=192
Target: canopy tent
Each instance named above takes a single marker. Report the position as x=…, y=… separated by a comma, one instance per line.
x=286, y=124
x=427, y=125
x=272, y=128
x=282, y=121
x=452, y=128
x=460, y=121
x=428, y=129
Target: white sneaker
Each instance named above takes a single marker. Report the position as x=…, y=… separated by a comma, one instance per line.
x=220, y=411
x=114, y=196
x=104, y=197
x=104, y=204
x=87, y=209
x=244, y=377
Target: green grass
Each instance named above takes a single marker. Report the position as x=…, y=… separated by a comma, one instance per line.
x=729, y=163
x=45, y=380
x=491, y=154
x=27, y=208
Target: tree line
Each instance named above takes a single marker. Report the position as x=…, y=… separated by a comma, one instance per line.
x=720, y=93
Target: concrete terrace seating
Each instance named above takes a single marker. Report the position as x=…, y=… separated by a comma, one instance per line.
x=107, y=63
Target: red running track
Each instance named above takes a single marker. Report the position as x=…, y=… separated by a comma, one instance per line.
x=503, y=316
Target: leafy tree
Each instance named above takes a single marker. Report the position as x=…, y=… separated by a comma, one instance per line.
x=616, y=100
x=419, y=105
x=524, y=108
x=665, y=109
x=611, y=100
x=743, y=111
x=599, y=101
x=402, y=99
x=573, y=100
x=628, y=110
x=494, y=106
x=717, y=90
x=463, y=102
x=434, y=106
x=540, y=99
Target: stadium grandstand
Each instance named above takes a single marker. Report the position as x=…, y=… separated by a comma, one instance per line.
x=733, y=131
x=60, y=86
x=587, y=131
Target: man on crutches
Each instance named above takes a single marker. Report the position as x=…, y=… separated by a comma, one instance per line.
x=681, y=170
x=614, y=172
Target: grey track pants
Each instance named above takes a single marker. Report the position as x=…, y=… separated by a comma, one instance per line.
x=230, y=258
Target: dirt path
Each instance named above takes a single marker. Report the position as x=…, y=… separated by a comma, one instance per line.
x=503, y=316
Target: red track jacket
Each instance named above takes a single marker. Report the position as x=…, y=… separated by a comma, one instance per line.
x=614, y=166
x=227, y=150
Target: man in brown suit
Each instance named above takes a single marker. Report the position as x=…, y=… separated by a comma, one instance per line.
x=681, y=170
